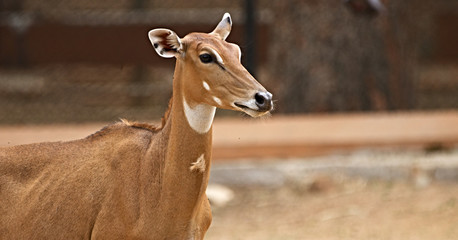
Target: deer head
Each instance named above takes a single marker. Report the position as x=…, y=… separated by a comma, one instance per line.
x=213, y=73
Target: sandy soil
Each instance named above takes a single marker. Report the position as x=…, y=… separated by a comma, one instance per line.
x=340, y=209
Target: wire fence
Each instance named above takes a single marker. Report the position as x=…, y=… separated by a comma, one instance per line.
x=64, y=61
x=83, y=93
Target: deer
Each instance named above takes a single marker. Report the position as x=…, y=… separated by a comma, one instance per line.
x=134, y=180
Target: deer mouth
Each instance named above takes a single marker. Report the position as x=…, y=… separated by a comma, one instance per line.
x=241, y=106
x=252, y=111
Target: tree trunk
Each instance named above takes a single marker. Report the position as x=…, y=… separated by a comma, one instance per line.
x=329, y=58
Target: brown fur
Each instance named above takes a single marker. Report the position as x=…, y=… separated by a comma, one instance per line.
x=129, y=180
x=110, y=185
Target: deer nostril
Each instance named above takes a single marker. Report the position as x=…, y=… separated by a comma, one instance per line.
x=263, y=101
x=260, y=99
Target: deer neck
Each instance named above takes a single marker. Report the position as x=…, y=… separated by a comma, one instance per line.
x=188, y=151
x=190, y=123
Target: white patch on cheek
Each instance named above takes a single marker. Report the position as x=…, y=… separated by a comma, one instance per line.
x=198, y=165
x=200, y=117
x=206, y=86
x=218, y=101
x=251, y=104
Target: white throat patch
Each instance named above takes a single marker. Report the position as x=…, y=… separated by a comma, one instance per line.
x=200, y=118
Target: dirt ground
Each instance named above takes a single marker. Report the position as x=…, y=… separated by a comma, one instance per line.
x=340, y=209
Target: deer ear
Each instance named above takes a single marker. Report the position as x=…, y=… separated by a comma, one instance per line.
x=224, y=27
x=166, y=42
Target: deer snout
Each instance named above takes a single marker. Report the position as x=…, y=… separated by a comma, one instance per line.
x=263, y=101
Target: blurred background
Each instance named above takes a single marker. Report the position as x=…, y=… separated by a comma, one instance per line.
x=85, y=61
x=363, y=140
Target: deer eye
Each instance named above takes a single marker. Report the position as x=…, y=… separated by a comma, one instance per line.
x=206, y=58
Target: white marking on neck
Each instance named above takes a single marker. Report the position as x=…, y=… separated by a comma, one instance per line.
x=198, y=165
x=206, y=86
x=200, y=117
